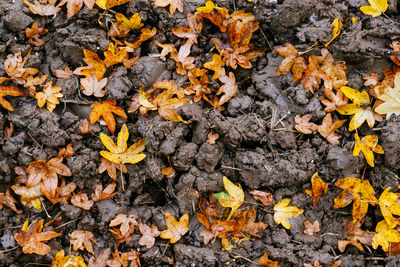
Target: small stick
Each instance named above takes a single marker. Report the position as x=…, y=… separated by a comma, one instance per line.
x=231, y=168
x=122, y=177
x=64, y=224
x=266, y=39
x=44, y=207
x=8, y=250
x=34, y=140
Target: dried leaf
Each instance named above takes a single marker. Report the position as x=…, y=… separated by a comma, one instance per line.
x=368, y=144
x=63, y=192
x=60, y=260
x=264, y=261
x=114, y=55
x=95, y=65
x=303, y=125
x=85, y=128
x=92, y=86
x=81, y=240
x=8, y=131
x=391, y=98
x=128, y=223
x=336, y=100
x=311, y=228
x=111, y=168
x=101, y=260
x=34, y=34
x=6, y=199
x=357, y=237
x=106, y=109
x=29, y=195
x=292, y=61
x=217, y=65
x=371, y=80
x=212, y=137
x=100, y=194
x=14, y=67
x=266, y=198
x=337, y=25
x=173, y=5
x=175, y=230
x=395, y=46
x=145, y=35
x=283, y=212
x=318, y=187
x=107, y=4
x=64, y=74
x=235, y=198
x=82, y=201
x=44, y=7
x=229, y=88
x=66, y=152
x=149, y=235
x=11, y=91
x=327, y=129
x=122, y=260
x=49, y=95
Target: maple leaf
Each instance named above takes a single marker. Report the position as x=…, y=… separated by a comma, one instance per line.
x=85, y=128
x=318, y=187
x=391, y=98
x=190, y=34
x=229, y=88
x=303, y=125
x=128, y=223
x=92, y=86
x=101, y=259
x=368, y=144
x=95, y=65
x=283, y=212
x=64, y=74
x=149, y=235
x=173, y=5
x=125, y=25
x=395, y=46
x=8, y=131
x=122, y=260
x=334, y=72
x=60, y=260
x=337, y=24
x=46, y=171
x=11, y=91
x=376, y=8
x=73, y=6
x=266, y=198
x=66, y=152
x=34, y=34
x=29, y=195
x=360, y=192
x=32, y=240
x=145, y=35
x=199, y=87
x=45, y=7
x=32, y=82
x=14, y=67
x=82, y=201
x=81, y=240
x=313, y=74
x=357, y=236
x=212, y=137
x=336, y=100
x=111, y=168
x=217, y=65
x=292, y=61
x=389, y=206
x=63, y=192
x=49, y=95
x=360, y=108
x=311, y=228
x=264, y=261
x=6, y=199
x=234, y=199
x=100, y=194
x=371, y=80
x=249, y=226
x=384, y=235
x=175, y=230
x=327, y=129
x=106, y=109
x=107, y=4
x=114, y=55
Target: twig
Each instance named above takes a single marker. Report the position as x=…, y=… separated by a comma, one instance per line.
x=266, y=39
x=44, y=207
x=8, y=250
x=34, y=140
x=64, y=224
x=231, y=168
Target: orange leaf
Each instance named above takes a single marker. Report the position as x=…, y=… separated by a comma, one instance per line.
x=217, y=65
x=318, y=187
x=105, y=109
x=81, y=240
x=66, y=152
x=311, y=228
x=229, y=88
x=64, y=74
x=34, y=34
x=113, y=55
x=8, y=90
x=173, y=5
x=128, y=223
x=44, y=7
x=60, y=260
x=6, y=199
x=212, y=137
x=100, y=194
x=107, y=4
x=175, y=230
x=85, y=128
x=264, y=261
x=82, y=201
x=303, y=125
x=336, y=100
x=111, y=168
x=327, y=129
x=145, y=35
x=266, y=198
x=291, y=62
x=95, y=65
x=49, y=95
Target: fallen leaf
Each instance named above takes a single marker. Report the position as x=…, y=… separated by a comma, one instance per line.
x=8, y=131
x=376, y=8
x=283, y=212
x=32, y=82
x=190, y=34
x=6, y=199
x=125, y=25
x=63, y=193
x=95, y=65
x=81, y=240
x=385, y=234
x=64, y=74
x=149, y=235
x=173, y=5
x=44, y=7
x=60, y=260
x=327, y=129
x=85, y=128
x=14, y=67
x=111, y=168
x=49, y=95
x=106, y=109
x=168, y=172
x=34, y=34
x=266, y=198
x=29, y=195
x=128, y=223
x=389, y=206
x=212, y=137
x=122, y=260
x=32, y=240
x=318, y=187
x=217, y=65
x=249, y=225
x=391, y=98
x=337, y=25
x=292, y=61
x=371, y=80
x=234, y=199
x=175, y=230
x=82, y=201
x=303, y=125
x=107, y=4
x=101, y=260
x=311, y=228
x=11, y=91
x=336, y=100
x=66, y=152
x=229, y=88
x=395, y=46
x=100, y=194
x=114, y=55
x=357, y=237
x=145, y=35
x=368, y=144
x=92, y=86
x=264, y=261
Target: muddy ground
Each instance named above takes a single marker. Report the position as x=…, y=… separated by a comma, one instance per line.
x=251, y=150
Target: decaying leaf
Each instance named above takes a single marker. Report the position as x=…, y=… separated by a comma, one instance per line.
x=8, y=131
x=14, y=67
x=106, y=109
x=34, y=34
x=125, y=25
x=371, y=80
x=234, y=199
x=173, y=5
x=45, y=7
x=149, y=235
x=327, y=129
x=175, y=230
x=360, y=192
x=266, y=198
x=73, y=6
x=81, y=240
x=11, y=91
x=264, y=261
x=124, y=258
x=169, y=171
x=63, y=192
x=101, y=260
x=292, y=61
x=385, y=234
x=212, y=137
x=92, y=86
x=311, y=228
x=82, y=201
x=318, y=187
x=29, y=195
x=303, y=125
x=217, y=65
x=6, y=199
x=95, y=65
x=111, y=168
x=229, y=88
x=390, y=96
x=128, y=223
x=32, y=240
x=335, y=100
x=283, y=212
x=64, y=74
x=357, y=237
x=49, y=95
x=60, y=260
x=100, y=194
x=389, y=207
x=376, y=8
x=66, y=152
x=85, y=128
x=368, y=144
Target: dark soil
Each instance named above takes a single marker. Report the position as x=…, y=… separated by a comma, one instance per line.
x=251, y=150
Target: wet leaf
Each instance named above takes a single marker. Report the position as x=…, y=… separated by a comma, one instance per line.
x=357, y=237
x=106, y=109
x=11, y=91
x=266, y=198
x=63, y=193
x=217, y=65
x=34, y=34
x=149, y=235
x=264, y=261
x=368, y=144
x=249, y=225
x=235, y=199
x=122, y=260
x=126, y=25
x=14, y=67
x=60, y=260
x=318, y=187
x=190, y=34
x=327, y=129
x=95, y=65
x=175, y=230
x=32, y=240
x=283, y=212
x=292, y=61
x=391, y=98
x=82, y=201
x=145, y=35
x=49, y=95
x=173, y=5
x=44, y=7
x=85, y=127
x=376, y=8
x=229, y=88
x=128, y=223
x=111, y=168
x=212, y=137
x=101, y=260
x=107, y=4
x=66, y=152
x=100, y=194
x=311, y=228
x=303, y=125
x=29, y=195
x=6, y=199
x=82, y=240
x=389, y=207
x=336, y=100
x=64, y=74
x=92, y=86
x=384, y=235
x=114, y=55
x=337, y=25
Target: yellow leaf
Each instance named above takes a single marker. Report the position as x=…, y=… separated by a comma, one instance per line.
x=376, y=8
x=353, y=20
x=391, y=98
x=283, y=212
x=337, y=25
x=29, y=196
x=175, y=229
x=119, y=153
x=368, y=144
x=114, y=55
x=318, y=187
x=235, y=199
x=358, y=191
x=207, y=8
x=128, y=24
x=107, y=4
x=389, y=206
x=360, y=108
x=384, y=235
x=50, y=95
x=60, y=260
x=226, y=244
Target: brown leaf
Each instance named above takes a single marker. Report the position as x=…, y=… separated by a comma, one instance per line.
x=92, y=86
x=34, y=34
x=6, y=199
x=292, y=61
x=81, y=240
x=128, y=223
x=264, y=261
x=303, y=125
x=229, y=88
x=266, y=198
x=212, y=137
x=311, y=228
x=85, y=128
x=173, y=5
x=357, y=237
x=336, y=100
x=66, y=152
x=82, y=201
x=122, y=260
x=101, y=260
x=44, y=7
x=190, y=34
x=395, y=46
x=63, y=193
x=8, y=131
x=64, y=74
x=250, y=227
x=327, y=129
x=149, y=235
x=371, y=80
x=111, y=168
x=100, y=194
x=14, y=67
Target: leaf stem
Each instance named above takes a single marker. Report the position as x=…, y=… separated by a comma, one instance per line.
x=8, y=250
x=122, y=177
